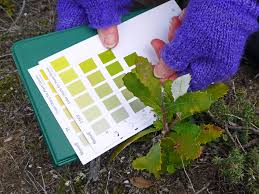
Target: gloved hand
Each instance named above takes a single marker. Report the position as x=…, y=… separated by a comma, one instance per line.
x=103, y=15
x=211, y=40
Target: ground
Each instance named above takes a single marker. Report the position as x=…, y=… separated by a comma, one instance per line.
x=26, y=166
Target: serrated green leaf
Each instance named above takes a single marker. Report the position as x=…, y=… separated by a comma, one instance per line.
x=131, y=140
x=151, y=162
x=184, y=139
x=217, y=91
x=199, y=101
x=139, y=90
x=192, y=103
x=180, y=86
x=170, y=159
x=144, y=72
x=209, y=133
x=187, y=127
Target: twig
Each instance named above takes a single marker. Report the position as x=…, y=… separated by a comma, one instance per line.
x=5, y=55
x=43, y=183
x=203, y=188
x=107, y=183
x=240, y=145
x=190, y=181
x=254, y=129
x=33, y=183
x=230, y=135
x=18, y=17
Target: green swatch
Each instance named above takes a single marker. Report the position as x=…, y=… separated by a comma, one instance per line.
x=131, y=59
x=83, y=139
x=68, y=76
x=106, y=56
x=120, y=115
x=76, y=88
x=127, y=94
x=111, y=102
x=88, y=65
x=114, y=68
x=118, y=81
x=59, y=64
x=100, y=126
x=84, y=100
x=92, y=113
x=103, y=90
x=137, y=105
x=96, y=78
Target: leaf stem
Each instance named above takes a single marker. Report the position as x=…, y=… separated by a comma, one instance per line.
x=165, y=124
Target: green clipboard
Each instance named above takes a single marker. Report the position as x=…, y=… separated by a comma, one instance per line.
x=26, y=54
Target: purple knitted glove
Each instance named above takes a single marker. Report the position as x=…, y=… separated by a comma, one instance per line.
x=96, y=13
x=211, y=40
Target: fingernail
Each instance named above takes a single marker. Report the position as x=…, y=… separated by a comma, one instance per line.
x=110, y=41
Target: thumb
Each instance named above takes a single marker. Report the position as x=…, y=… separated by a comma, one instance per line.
x=157, y=44
x=109, y=36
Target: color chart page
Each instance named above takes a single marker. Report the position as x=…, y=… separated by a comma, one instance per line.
x=84, y=83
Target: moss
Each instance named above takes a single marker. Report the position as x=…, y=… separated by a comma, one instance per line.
x=9, y=85
x=9, y=6
x=240, y=107
x=232, y=167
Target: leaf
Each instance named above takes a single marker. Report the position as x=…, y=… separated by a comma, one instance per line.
x=209, y=133
x=139, y=90
x=184, y=139
x=131, y=140
x=199, y=101
x=170, y=159
x=180, y=86
x=140, y=182
x=158, y=124
x=144, y=72
x=192, y=103
x=151, y=162
x=217, y=91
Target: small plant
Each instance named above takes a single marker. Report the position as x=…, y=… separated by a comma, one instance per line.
x=179, y=140
x=232, y=167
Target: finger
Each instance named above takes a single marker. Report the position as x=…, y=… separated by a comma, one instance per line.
x=174, y=25
x=161, y=70
x=157, y=44
x=109, y=36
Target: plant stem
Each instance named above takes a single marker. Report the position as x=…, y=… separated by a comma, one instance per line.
x=165, y=125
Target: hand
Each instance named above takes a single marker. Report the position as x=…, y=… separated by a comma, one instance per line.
x=161, y=70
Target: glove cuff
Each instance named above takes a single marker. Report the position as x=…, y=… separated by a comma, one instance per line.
x=104, y=13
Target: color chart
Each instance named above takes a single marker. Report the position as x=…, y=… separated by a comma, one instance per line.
x=84, y=89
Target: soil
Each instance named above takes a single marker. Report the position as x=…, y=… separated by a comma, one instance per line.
x=25, y=164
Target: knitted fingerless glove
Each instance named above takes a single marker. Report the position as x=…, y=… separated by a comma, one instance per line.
x=211, y=40
x=96, y=13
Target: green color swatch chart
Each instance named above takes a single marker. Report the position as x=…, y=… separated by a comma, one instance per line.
x=91, y=103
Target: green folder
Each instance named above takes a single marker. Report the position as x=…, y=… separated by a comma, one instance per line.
x=26, y=54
